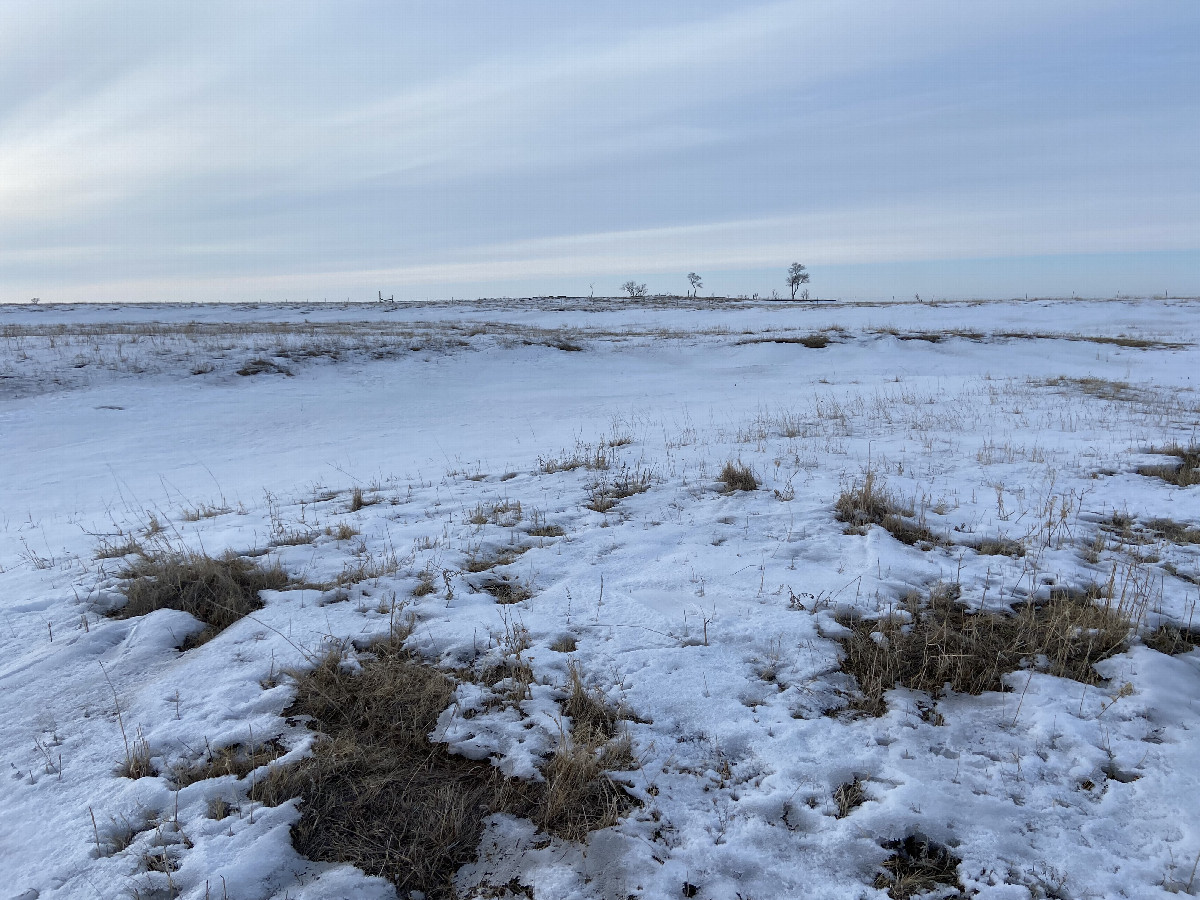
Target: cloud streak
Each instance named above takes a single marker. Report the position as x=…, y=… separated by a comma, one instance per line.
x=249, y=147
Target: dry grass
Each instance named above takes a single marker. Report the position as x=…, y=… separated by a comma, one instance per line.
x=238, y=760
x=358, y=500
x=940, y=643
x=564, y=644
x=216, y=590
x=579, y=797
x=869, y=503
x=342, y=532
x=581, y=457
x=917, y=866
x=425, y=584
x=848, y=797
x=505, y=513
x=124, y=545
x=998, y=547
x=137, y=762
x=477, y=562
x=1185, y=474
x=1171, y=639
x=738, y=477
x=507, y=590
x=604, y=495
x=539, y=527
x=814, y=341
x=378, y=794
x=261, y=366
x=295, y=538
x=1175, y=532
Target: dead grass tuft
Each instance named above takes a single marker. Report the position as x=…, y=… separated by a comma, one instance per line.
x=137, y=763
x=217, y=591
x=738, y=477
x=358, y=500
x=115, y=549
x=848, y=797
x=261, y=366
x=940, y=643
x=238, y=760
x=870, y=503
x=504, y=513
x=593, y=720
x=579, y=797
x=539, y=527
x=564, y=644
x=425, y=584
x=342, y=532
x=378, y=794
x=477, y=562
x=814, y=341
x=998, y=547
x=295, y=538
x=1175, y=532
x=917, y=866
x=604, y=494
x=1185, y=474
x=1172, y=640
x=582, y=457
x=506, y=590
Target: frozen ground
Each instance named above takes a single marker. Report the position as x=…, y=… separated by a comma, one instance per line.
x=713, y=616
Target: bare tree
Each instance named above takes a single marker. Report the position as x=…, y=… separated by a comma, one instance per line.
x=634, y=289
x=696, y=284
x=796, y=277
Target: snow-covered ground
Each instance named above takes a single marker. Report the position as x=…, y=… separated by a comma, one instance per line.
x=711, y=615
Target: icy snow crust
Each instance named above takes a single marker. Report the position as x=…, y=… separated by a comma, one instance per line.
x=710, y=615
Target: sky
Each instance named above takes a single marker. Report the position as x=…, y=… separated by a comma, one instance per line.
x=233, y=151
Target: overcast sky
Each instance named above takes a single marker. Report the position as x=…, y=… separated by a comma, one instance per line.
x=269, y=150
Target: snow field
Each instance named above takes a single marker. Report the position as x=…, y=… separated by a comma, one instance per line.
x=712, y=615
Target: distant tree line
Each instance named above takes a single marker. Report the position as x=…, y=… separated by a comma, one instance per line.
x=797, y=275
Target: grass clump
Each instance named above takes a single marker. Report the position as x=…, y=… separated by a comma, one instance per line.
x=604, y=495
x=238, y=760
x=216, y=590
x=815, y=341
x=343, y=532
x=848, y=797
x=564, y=644
x=358, y=500
x=1184, y=474
x=505, y=513
x=738, y=477
x=376, y=793
x=539, y=527
x=506, y=590
x=1175, y=532
x=998, y=547
x=939, y=642
x=137, y=763
x=477, y=562
x=917, y=866
x=1171, y=639
x=115, y=549
x=261, y=366
x=582, y=457
x=870, y=503
x=379, y=794
x=579, y=797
